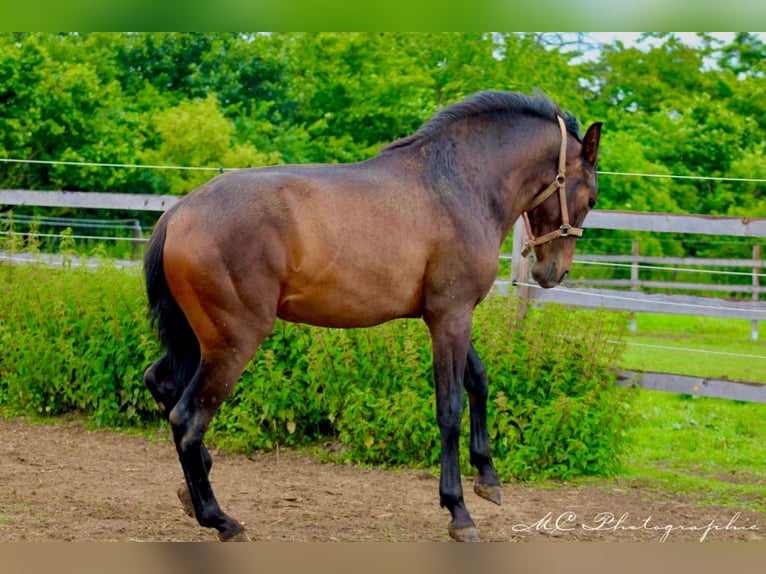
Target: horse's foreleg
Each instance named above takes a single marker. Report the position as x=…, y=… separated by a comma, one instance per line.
x=451, y=339
x=487, y=484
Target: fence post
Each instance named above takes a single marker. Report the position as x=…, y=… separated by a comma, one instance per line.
x=634, y=279
x=137, y=235
x=520, y=268
x=756, y=283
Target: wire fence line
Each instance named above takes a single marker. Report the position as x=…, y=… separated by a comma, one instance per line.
x=222, y=169
x=671, y=267
x=706, y=271
x=745, y=228
x=54, y=221
x=53, y=260
x=694, y=177
x=626, y=297
x=674, y=348
x=688, y=350
x=67, y=236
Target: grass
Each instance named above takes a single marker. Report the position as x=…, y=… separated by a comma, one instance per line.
x=699, y=346
x=710, y=450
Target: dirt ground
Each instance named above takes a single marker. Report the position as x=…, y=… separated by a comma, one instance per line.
x=66, y=483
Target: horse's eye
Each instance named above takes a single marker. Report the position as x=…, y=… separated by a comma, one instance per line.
x=591, y=203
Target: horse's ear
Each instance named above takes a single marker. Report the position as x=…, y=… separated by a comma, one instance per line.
x=590, y=144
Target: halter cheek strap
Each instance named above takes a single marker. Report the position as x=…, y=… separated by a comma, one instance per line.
x=558, y=184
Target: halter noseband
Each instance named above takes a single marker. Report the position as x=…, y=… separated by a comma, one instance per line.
x=558, y=184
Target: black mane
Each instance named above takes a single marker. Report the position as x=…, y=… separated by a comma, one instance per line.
x=489, y=103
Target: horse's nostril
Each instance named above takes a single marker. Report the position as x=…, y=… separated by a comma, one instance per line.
x=563, y=276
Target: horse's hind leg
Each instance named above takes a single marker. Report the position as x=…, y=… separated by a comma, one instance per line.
x=225, y=353
x=161, y=382
x=164, y=386
x=189, y=421
x=487, y=484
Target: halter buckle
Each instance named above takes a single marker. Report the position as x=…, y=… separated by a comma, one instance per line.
x=527, y=249
x=565, y=230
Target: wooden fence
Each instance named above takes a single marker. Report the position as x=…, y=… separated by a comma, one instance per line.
x=632, y=299
x=656, y=302
x=639, y=301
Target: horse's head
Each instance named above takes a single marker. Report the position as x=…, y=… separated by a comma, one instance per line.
x=555, y=217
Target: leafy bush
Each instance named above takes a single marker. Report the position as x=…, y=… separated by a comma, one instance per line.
x=554, y=409
x=76, y=339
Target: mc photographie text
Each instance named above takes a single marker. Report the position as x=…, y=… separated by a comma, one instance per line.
x=564, y=522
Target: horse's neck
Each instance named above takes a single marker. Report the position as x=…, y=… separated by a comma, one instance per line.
x=532, y=167
x=499, y=184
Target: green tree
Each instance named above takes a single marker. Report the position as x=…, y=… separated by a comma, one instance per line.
x=61, y=102
x=684, y=116
x=354, y=92
x=195, y=134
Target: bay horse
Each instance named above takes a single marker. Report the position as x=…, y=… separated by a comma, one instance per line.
x=412, y=232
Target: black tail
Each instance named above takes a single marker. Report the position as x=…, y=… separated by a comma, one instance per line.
x=175, y=333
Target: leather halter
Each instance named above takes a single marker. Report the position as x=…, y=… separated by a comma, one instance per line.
x=558, y=184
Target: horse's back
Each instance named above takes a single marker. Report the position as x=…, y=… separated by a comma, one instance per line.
x=348, y=245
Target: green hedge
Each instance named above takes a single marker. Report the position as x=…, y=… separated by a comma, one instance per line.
x=78, y=340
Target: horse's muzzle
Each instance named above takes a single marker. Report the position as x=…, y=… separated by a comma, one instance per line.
x=548, y=276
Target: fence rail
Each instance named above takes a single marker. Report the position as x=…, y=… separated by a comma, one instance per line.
x=87, y=200
x=676, y=223
x=699, y=261
x=694, y=386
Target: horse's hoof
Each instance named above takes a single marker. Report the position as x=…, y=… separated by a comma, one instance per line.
x=464, y=534
x=489, y=492
x=241, y=536
x=185, y=498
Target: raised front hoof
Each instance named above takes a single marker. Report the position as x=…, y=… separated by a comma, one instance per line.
x=464, y=533
x=185, y=498
x=489, y=492
x=240, y=535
